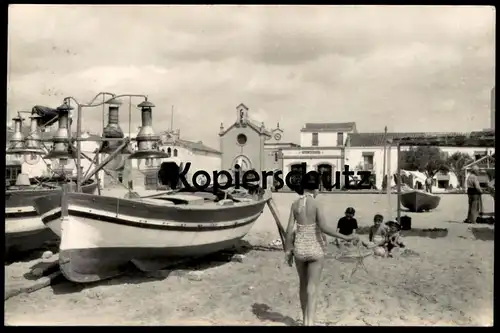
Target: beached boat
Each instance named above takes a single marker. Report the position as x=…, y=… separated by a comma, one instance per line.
x=24, y=229
x=419, y=201
x=100, y=235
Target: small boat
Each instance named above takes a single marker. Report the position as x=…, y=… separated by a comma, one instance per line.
x=101, y=235
x=24, y=229
x=419, y=201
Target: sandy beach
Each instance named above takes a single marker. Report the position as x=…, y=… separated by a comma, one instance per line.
x=447, y=281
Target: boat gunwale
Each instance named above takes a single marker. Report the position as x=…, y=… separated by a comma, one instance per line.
x=127, y=220
x=187, y=207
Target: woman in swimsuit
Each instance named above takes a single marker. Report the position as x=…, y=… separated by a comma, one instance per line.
x=308, y=243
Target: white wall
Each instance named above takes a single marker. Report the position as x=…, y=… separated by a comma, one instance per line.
x=354, y=156
x=325, y=139
x=199, y=160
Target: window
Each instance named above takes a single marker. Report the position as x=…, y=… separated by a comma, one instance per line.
x=175, y=152
x=367, y=161
x=315, y=140
x=275, y=157
x=340, y=139
x=169, y=152
x=242, y=139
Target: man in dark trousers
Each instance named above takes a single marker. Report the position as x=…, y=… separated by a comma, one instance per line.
x=474, y=193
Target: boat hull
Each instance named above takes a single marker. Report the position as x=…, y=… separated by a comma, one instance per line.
x=24, y=229
x=100, y=236
x=418, y=201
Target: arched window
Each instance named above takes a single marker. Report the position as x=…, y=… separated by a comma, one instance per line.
x=169, y=151
x=175, y=152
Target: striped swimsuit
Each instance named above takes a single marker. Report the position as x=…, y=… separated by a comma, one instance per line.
x=310, y=241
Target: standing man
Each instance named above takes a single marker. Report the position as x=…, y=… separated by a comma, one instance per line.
x=474, y=193
x=428, y=185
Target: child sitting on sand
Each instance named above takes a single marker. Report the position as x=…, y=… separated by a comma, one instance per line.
x=393, y=237
x=347, y=226
x=378, y=231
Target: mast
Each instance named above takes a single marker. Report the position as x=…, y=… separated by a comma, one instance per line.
x=172, y=119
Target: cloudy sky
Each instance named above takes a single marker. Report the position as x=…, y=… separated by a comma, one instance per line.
x=410, y=68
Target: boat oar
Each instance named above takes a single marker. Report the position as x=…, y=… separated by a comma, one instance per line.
x=274, y=212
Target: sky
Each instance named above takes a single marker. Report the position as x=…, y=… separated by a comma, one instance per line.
x=410, y=68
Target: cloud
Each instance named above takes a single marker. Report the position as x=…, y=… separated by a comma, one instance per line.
x=298, y=63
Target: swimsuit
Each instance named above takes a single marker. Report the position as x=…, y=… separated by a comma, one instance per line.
x=310, y=242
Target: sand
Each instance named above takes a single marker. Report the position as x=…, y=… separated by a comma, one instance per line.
x=449, y=282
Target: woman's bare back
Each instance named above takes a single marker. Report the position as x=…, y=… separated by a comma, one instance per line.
x=305, y=210
x=309, y=242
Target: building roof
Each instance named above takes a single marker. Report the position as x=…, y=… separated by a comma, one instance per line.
x=443, y=139
x=252, y=124
x=197, y=146
x=374, y=139
x=172, y=138
x=329, y=127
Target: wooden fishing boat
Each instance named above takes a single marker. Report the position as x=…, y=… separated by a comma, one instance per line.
x=24, y=229
x=101, y=235
x=419, y=201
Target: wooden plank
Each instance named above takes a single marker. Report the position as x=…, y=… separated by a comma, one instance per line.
x=31, y=287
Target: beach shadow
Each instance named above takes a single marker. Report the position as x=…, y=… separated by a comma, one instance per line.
x=449, y=221
x=13, y=256
x=263, y=312
x=426, y=233
x=133, y=275
x=484, y=234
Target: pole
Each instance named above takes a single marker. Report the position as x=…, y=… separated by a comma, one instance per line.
x=385, y=155
x=274, y=211
x=389, y=180
x=78, y=149
x=98, y=181
x=172, y=119
x=107, y=160
x=103, y=113
x=129, y=116
x=399, y=182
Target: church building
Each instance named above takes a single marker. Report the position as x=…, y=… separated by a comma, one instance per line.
x=251, y=145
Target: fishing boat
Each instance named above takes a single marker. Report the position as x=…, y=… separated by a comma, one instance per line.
x=419, y=201
x=24, y=229
x=101, y=235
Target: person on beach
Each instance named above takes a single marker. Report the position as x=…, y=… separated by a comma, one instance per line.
x=378, y=232
x=428, y=185
x=307, y=245
x=474, y=194
x=393, y=238
x=347, y=225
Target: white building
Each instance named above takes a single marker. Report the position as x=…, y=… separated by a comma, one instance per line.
x=182, y=151
x=322, y=148
x=366, y=151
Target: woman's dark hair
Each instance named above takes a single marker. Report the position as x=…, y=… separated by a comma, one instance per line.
x=378, y=217
x=350, y=210
x=310, y=181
